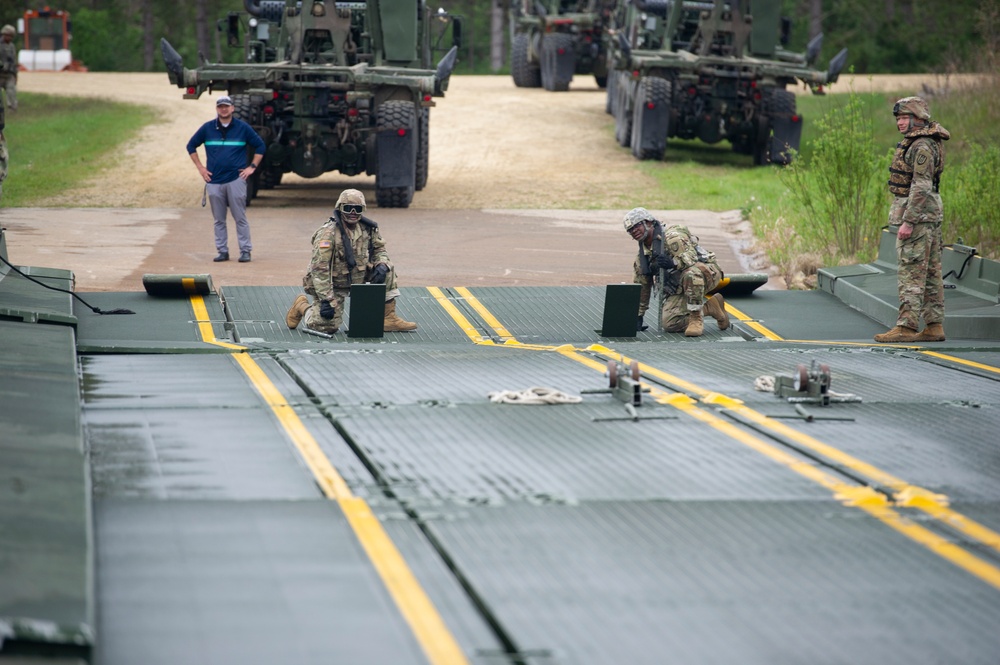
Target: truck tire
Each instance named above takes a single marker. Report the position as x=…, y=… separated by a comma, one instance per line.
x=623, y=111
x=779, y=104
x=244, y=110
x=390, y=117
x=524, y=73
x=558, y=62
x=651, y=118
x=423, y=149
x=269, y=178
x=609, y=106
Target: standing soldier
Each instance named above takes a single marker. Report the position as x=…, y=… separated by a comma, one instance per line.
x=914, y=177
x=347, y=249
x=8, y=65
x=689, y=270
x=4, y=157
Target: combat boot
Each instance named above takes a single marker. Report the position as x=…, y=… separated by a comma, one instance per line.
x=296, y=312
x=715, y=307
x=934, y=332
x=393, y=323
x=696, y=325
x=897, y=334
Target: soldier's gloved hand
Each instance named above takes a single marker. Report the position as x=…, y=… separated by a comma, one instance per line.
x=640, y=325
x=666, y=262
x=379, y=273
x=326, y=310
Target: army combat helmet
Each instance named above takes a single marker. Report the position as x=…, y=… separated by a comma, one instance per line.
x=351, y=205
x=637, y=216
x=8, y=30
x=914, y=106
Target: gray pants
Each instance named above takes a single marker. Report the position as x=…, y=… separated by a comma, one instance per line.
x=232, y=195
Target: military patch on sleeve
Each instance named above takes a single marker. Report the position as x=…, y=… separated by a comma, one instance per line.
x=921, y=158
x=324, y=244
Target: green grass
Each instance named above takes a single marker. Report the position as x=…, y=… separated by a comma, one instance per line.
x=695, y=175
x=56, y=142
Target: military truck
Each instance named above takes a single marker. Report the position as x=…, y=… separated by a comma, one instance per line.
x=554, y=39
x=711, y=71
x=333, y=86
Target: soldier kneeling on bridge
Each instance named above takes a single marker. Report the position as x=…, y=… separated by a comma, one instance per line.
x=688, y=272
x=347, y=249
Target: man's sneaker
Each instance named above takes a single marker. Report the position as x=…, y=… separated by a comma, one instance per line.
x=244, y=257
x=223, y=256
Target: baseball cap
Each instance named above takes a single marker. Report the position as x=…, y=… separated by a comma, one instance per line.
x=225, y=99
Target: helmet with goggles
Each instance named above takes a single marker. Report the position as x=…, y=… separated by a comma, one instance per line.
x=351, y=205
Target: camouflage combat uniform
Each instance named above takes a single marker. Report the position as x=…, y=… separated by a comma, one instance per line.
x=8, y=68
x=695, y=272
x=4, y=157
x=330, y=278
x=913, y=180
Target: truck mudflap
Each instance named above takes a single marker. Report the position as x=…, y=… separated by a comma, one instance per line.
x=396, y=154
x=558, y=62
x=397, y=158
x=787, y=136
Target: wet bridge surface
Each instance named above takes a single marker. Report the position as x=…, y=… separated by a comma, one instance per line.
x=195, y=482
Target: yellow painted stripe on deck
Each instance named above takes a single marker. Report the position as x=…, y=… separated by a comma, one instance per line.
x=205, y=324
x=487, y=315
x=470, y=330
x=864, y=498
x=962, y=361
x=437, y=642
x=430, y=630
x=749, y=321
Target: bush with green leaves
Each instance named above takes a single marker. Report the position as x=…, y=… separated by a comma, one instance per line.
x=972, y=199
x=837, y=199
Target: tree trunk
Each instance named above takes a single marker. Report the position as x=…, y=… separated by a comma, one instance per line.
x=496, y=35
x=148, y=38
x=201, y=29
x=815, y=17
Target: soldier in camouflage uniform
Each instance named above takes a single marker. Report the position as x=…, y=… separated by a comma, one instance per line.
x=688, y=272
x=347, y=249
x=4, y=157
x=914, y=177
x=8, y=65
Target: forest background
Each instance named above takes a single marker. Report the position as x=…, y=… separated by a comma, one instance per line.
x=884, y=36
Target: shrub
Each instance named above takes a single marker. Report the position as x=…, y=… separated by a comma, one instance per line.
x=837, y=200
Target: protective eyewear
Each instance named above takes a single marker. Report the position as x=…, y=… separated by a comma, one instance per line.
x=352, y=208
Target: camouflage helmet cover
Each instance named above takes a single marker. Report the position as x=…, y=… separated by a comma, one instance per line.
x=8, y=30
x=351, y=196
x=914, y=106
x=637, y=216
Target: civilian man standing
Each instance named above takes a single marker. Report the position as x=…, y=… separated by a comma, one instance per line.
x=226, y=140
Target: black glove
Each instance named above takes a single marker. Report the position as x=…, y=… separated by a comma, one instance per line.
x=639, y=325
x=665, y=261
x=326, y=310
x=379, y=273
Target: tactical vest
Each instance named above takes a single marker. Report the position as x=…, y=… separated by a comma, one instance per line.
x=901, y=173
